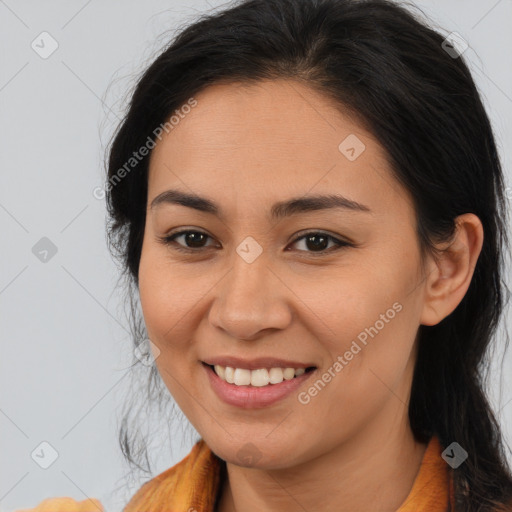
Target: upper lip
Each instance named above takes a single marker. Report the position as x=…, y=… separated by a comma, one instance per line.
x=255, y=364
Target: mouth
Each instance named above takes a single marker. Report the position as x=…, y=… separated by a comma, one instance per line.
x=258, y=388
x=259, y=377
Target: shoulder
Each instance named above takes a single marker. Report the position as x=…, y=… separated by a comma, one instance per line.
x=191, y=483
x=66, y=505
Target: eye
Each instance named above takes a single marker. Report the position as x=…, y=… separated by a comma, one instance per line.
x=194, y=237
x=316, y=241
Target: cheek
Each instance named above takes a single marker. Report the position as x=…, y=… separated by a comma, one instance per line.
x=154, y=294
x=367, y=368
x=162, y=305
x=372, y=319
x=173, y=306
x=166, y=296
x=166, y=312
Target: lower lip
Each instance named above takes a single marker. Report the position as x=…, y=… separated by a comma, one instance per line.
x=253, y=397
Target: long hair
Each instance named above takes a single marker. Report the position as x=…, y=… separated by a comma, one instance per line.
x=381, y=63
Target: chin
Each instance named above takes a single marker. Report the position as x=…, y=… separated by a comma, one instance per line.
x=258, y=455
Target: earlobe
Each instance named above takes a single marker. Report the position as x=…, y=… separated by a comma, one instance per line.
x=451, y=272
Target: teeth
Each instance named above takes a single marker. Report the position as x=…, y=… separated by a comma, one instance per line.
x=288, y=373
x=275, y=375
x=259, y=378
x=220, y=371
x=229, y=375
x=242, y=377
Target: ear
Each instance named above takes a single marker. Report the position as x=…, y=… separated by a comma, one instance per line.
x=449, y=276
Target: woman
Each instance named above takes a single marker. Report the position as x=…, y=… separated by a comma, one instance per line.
x=308, y=200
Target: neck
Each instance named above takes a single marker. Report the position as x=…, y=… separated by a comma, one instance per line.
x=371, y=471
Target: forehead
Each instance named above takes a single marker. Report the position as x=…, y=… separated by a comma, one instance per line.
x=276, y=137
x=264, y=118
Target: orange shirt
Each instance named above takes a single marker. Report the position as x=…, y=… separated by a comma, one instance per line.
x=194, y=483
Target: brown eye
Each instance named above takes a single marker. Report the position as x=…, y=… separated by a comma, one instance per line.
x=317, y=242
x=193, y=240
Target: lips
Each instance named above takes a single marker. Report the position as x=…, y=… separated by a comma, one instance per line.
x=250, y=397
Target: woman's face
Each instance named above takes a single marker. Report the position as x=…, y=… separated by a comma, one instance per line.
x=247, y=290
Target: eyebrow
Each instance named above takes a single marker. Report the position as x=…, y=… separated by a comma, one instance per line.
x=279, y=210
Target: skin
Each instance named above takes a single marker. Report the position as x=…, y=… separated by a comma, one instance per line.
x=247, y=147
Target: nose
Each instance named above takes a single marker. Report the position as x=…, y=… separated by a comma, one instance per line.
x=251, y=300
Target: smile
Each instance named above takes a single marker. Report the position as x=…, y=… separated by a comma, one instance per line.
x=257, y=378
x=263, y=392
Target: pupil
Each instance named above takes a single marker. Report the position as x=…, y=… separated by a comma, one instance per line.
x=194, y=238
x=321, y=245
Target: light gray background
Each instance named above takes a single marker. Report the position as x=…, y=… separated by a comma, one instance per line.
x=65, y=346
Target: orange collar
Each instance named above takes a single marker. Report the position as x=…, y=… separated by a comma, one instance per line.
x=432, y=489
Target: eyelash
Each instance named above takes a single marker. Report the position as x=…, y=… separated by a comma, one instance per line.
x=170, y=240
